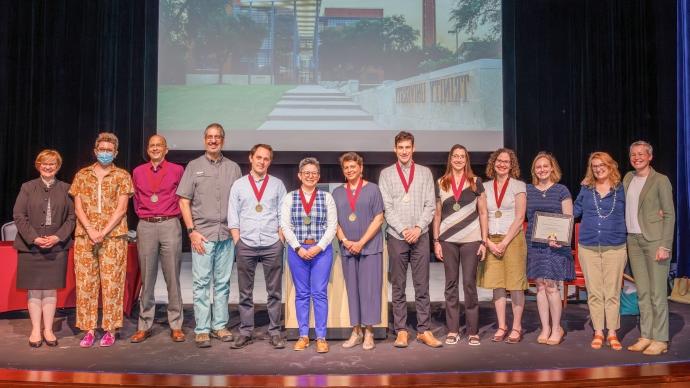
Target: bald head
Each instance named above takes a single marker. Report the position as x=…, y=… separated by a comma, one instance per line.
x=157, y=149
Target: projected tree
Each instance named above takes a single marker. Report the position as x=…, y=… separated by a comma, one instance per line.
x=361, y=51
x=483, y=16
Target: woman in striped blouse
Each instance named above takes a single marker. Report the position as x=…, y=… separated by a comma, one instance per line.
x=460, y=227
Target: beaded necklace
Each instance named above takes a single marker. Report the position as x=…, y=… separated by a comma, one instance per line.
x=596, y=204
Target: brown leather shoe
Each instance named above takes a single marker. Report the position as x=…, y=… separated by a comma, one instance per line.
x=656, y=348
x=321, y=346
x=402, y=339
x=301, y=344
x=140, y=336
x=177, y=335
x=427, y=338
x=640, y=345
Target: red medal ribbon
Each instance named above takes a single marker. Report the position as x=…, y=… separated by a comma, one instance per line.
x=258, y=193
x=149, y=177
x=499, y=198
x=352, y=198
x=305, y=205
x=406, y=184
x=457, y=190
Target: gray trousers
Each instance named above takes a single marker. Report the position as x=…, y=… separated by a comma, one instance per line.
x=417, y=256
x=363, y=277
x=159, y=241
x=271, y=258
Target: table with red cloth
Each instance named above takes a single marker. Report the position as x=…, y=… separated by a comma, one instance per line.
x=13, y=298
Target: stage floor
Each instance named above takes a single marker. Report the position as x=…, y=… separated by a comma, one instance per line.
x=158, y=355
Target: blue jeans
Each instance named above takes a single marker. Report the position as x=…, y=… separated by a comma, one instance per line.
x=212, y=269
x=311, y=283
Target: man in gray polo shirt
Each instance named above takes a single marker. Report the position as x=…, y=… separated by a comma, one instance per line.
x=204, y=191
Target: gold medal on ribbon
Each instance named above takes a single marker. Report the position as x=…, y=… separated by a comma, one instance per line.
x=154, y=198
x=259, y=208
x=352, y=217
x=406, y=197
x=498, y=214
x=306, y=220
x=456, y=206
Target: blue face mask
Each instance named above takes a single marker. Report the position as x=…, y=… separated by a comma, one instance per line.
x=105, y=158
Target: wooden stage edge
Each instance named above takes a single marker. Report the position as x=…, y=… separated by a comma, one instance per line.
x=652, y=375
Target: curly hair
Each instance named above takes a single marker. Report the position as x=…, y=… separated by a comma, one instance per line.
x=445, y=180
x=555, y=175
x=514, y=165
x=107, y=137
x=614, y=175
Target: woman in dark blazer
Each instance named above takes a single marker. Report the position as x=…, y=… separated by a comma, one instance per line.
x=44, y=216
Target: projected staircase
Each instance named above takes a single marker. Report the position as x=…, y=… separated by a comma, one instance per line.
x=313, y=107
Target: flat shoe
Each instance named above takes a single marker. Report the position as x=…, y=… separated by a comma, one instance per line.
x=473, y=340
x=36, y=344
x=452, y=339
x=613, y=342
x=597, y=341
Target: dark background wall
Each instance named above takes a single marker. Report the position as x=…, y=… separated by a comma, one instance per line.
x=579, y=76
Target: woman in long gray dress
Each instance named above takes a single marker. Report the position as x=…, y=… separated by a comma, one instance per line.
x=44, y=216
x=360, y=216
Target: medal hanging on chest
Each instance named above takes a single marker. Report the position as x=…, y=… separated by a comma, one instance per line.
x=154, y=183
x=457, y=191
x=406, y=183
x=499, y=198
x=353, y=197
x=306, y=218
x=258, y=193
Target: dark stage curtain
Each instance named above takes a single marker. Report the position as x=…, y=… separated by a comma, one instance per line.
x=68, y=70
x=683, y=164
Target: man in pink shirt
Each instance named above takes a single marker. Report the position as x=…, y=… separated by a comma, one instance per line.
x=159, y=236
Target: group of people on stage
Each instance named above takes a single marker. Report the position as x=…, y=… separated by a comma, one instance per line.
x=474, y=227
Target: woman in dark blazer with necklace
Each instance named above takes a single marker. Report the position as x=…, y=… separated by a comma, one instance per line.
x=45, y=220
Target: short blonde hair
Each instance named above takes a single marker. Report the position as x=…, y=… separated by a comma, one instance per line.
x=614, y=175
x=46, y=155
x=555, y=175
x=107, y=137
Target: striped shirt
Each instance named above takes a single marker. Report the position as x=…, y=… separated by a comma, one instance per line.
x=460, y=226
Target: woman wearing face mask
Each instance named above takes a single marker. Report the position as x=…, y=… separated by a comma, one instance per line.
x=101, y=192
x=44, y=215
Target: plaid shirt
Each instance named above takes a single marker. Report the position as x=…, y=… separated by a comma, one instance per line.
x=419, y=211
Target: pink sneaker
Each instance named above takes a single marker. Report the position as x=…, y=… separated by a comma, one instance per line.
x=108, y=339
x=87, y=341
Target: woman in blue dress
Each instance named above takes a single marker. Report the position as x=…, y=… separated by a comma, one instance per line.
x=548, y=264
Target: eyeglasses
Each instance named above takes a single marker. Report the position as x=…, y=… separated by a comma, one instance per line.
x=309, y=173
x=498, y=161
x=599, y=166
x=213, y=137
x=105, y=149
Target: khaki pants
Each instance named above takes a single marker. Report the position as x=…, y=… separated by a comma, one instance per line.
x=100, y=269
x=603, y=269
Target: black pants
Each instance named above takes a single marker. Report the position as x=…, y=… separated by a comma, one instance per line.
x=271, y=258
x=454, y=256
x=417, y=256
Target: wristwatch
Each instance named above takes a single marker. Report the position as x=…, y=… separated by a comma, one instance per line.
x=190, y=230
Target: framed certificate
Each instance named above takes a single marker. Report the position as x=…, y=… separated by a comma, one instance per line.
x=552, y=226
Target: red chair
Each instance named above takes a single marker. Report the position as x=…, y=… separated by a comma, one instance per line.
x=579, y=281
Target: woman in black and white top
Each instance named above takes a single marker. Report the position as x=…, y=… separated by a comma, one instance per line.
x=460, y=227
